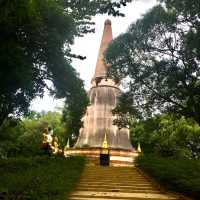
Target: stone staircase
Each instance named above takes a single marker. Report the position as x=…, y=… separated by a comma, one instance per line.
x=117, y=183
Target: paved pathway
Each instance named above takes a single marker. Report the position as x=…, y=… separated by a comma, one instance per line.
x=117, y=183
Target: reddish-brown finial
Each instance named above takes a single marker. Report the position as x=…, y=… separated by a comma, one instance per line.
x=107, y=22
x=101, y=69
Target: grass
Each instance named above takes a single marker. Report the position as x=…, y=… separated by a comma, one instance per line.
x=179, y=175
x=43, y=178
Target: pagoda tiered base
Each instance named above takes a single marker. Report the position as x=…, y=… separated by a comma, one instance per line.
x=117, y=157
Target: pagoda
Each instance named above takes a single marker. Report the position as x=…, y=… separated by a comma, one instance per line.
x=98, y=121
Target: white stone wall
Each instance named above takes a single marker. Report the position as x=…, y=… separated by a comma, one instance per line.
x=98, y=119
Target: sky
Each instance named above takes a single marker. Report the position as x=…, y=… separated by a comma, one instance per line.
x=89, y=45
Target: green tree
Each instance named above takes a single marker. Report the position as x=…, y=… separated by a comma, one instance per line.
x=10, y=130
x=158, y=57
x=142, y=132
x=168, y=135
x=25, y=136
x=54, y=121
x=71, y=117
x=35, y=48
x=29, y=142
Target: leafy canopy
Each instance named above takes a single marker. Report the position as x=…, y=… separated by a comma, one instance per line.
x=158, y=58
x=167, y=136
x=24, y=137
x=35, y=48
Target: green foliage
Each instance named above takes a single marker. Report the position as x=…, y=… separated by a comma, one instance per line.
x=142, y=132
x=168, y=135
x=10, y=130
x=54, y=121
x=180, y=175
x=30, y=141
x=158, y=59
x=188, y=9
x=72, y=114
x=26, y=51
x=24, y=137
x=35, y=48
x=39, y=177
x=124, y=111
x=173, y=136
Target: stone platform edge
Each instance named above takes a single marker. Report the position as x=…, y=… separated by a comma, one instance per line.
x=118, y=157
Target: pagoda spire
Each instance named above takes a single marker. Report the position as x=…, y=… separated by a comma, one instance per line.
x=101, y=70
x=98, y=130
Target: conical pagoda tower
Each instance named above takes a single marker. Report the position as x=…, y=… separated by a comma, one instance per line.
x=103, y=95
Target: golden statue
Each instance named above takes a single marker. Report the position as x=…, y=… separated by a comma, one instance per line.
x=47, y=140
x=105, y=145
x=139, y=148
x=67, y=146
x=105, y=142
x=55, y=146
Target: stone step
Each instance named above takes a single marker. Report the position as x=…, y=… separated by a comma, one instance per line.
x=87, y=194
x=113, y=174
x=100, y=180
x=114, y=186
x=152, y=191
x=112, y=171
x=110, y=198
x=100, y=173
x=113, y=177
x=122, y=174
x=112, y=181
x=132, y=176
x=116, y=183
x=125, y=175
x=111, y=185
x=108, y=169
x=120, y=183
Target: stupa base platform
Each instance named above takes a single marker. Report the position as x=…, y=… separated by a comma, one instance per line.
x=117, y=157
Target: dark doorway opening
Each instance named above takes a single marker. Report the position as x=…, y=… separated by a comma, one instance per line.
x=104, y=159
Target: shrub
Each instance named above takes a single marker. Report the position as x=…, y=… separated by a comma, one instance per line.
x=24, y=137
x=39, y=178
x=181, y=175
x=168, y=136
